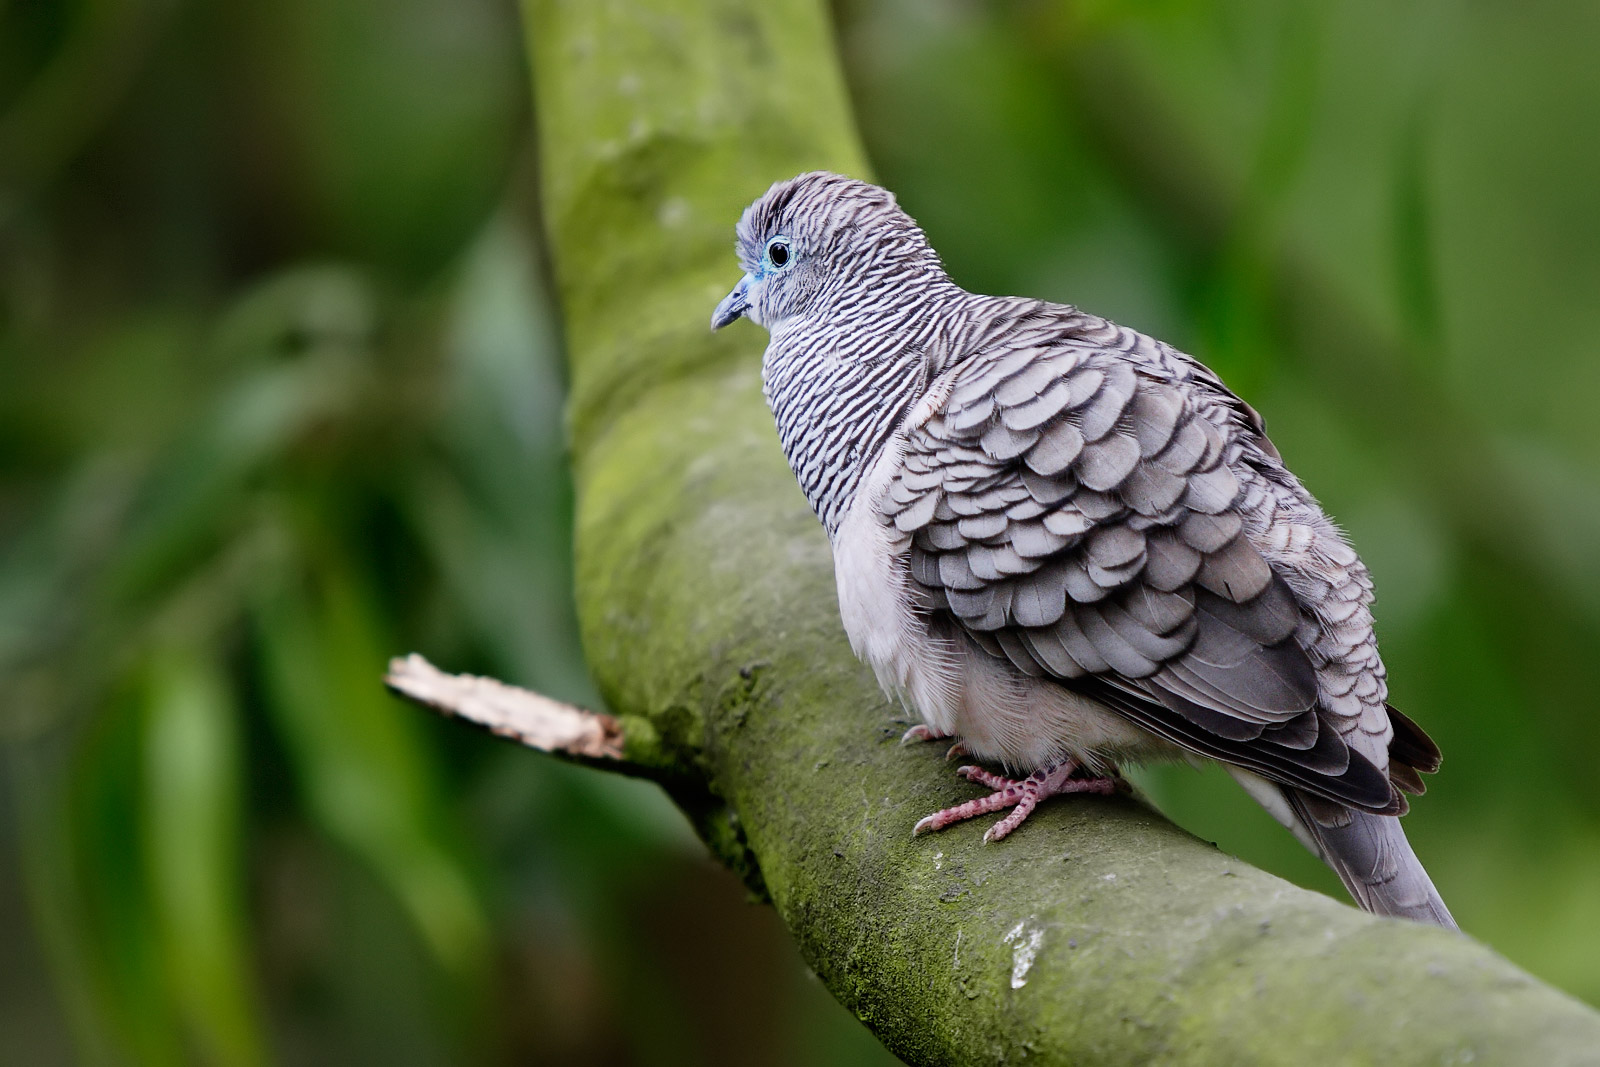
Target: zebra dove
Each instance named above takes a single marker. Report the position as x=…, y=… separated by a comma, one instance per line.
x=1069, y=545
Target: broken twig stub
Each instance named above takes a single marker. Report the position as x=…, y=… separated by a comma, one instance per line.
x=519, y=714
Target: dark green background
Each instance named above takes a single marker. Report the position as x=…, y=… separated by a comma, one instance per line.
x=280, y=395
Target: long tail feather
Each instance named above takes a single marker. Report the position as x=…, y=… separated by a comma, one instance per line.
x=1369, y=853
x=1372, y=857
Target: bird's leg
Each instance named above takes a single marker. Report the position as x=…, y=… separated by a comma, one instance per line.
x=923, y=732
x=1020, y=795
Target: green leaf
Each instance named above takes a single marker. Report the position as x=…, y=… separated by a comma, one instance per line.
x=189, y=820
x=366, y=776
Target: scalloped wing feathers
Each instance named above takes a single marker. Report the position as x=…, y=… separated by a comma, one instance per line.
x=1095, y=507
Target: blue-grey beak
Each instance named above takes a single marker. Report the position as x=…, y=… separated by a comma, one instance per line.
x=733, y=305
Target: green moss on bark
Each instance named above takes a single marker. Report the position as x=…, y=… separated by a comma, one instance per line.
x=1098, y=933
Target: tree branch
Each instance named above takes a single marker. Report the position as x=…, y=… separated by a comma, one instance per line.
x=1098, y=932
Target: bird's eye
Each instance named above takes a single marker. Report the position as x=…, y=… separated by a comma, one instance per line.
x=778, y=252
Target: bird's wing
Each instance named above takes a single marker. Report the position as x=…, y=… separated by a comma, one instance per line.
x=1077, y=512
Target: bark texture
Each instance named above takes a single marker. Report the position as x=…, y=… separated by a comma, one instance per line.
x=1099, y=933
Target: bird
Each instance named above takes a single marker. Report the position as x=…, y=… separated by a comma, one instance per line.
x=1068, y=546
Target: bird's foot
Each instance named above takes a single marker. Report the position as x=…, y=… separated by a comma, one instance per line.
x=923, y=732
x=1020, y=795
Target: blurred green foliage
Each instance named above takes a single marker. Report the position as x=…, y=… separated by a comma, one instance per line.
x=280, y=396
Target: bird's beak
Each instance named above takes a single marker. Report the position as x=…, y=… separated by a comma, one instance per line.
x=733, y=305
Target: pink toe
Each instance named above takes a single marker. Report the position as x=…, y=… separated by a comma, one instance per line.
x=1021, y=796
x=922, y=732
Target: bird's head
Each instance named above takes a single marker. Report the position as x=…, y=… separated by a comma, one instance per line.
x=815, y=245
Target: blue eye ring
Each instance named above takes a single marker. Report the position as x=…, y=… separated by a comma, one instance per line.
x=778, y=255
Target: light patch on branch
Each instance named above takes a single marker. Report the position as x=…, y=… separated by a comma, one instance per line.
x=1024, y=939
x=520, y=714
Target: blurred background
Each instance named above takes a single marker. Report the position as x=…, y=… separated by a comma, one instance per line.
x=280, y=396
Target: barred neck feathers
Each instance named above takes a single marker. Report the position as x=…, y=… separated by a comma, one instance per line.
x=862, y=317
x=840, y=387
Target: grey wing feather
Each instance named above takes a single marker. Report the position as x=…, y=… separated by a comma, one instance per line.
x=1080, y=510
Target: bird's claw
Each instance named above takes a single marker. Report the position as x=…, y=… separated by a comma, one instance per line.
x=922, y=732
x=1020, y=795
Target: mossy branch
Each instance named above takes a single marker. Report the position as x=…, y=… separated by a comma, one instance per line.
x=1099, y=932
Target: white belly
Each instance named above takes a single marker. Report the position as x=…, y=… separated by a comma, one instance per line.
x=1001, y=713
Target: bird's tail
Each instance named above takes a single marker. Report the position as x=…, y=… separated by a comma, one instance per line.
x=1372, y=857
x=1369, y=853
